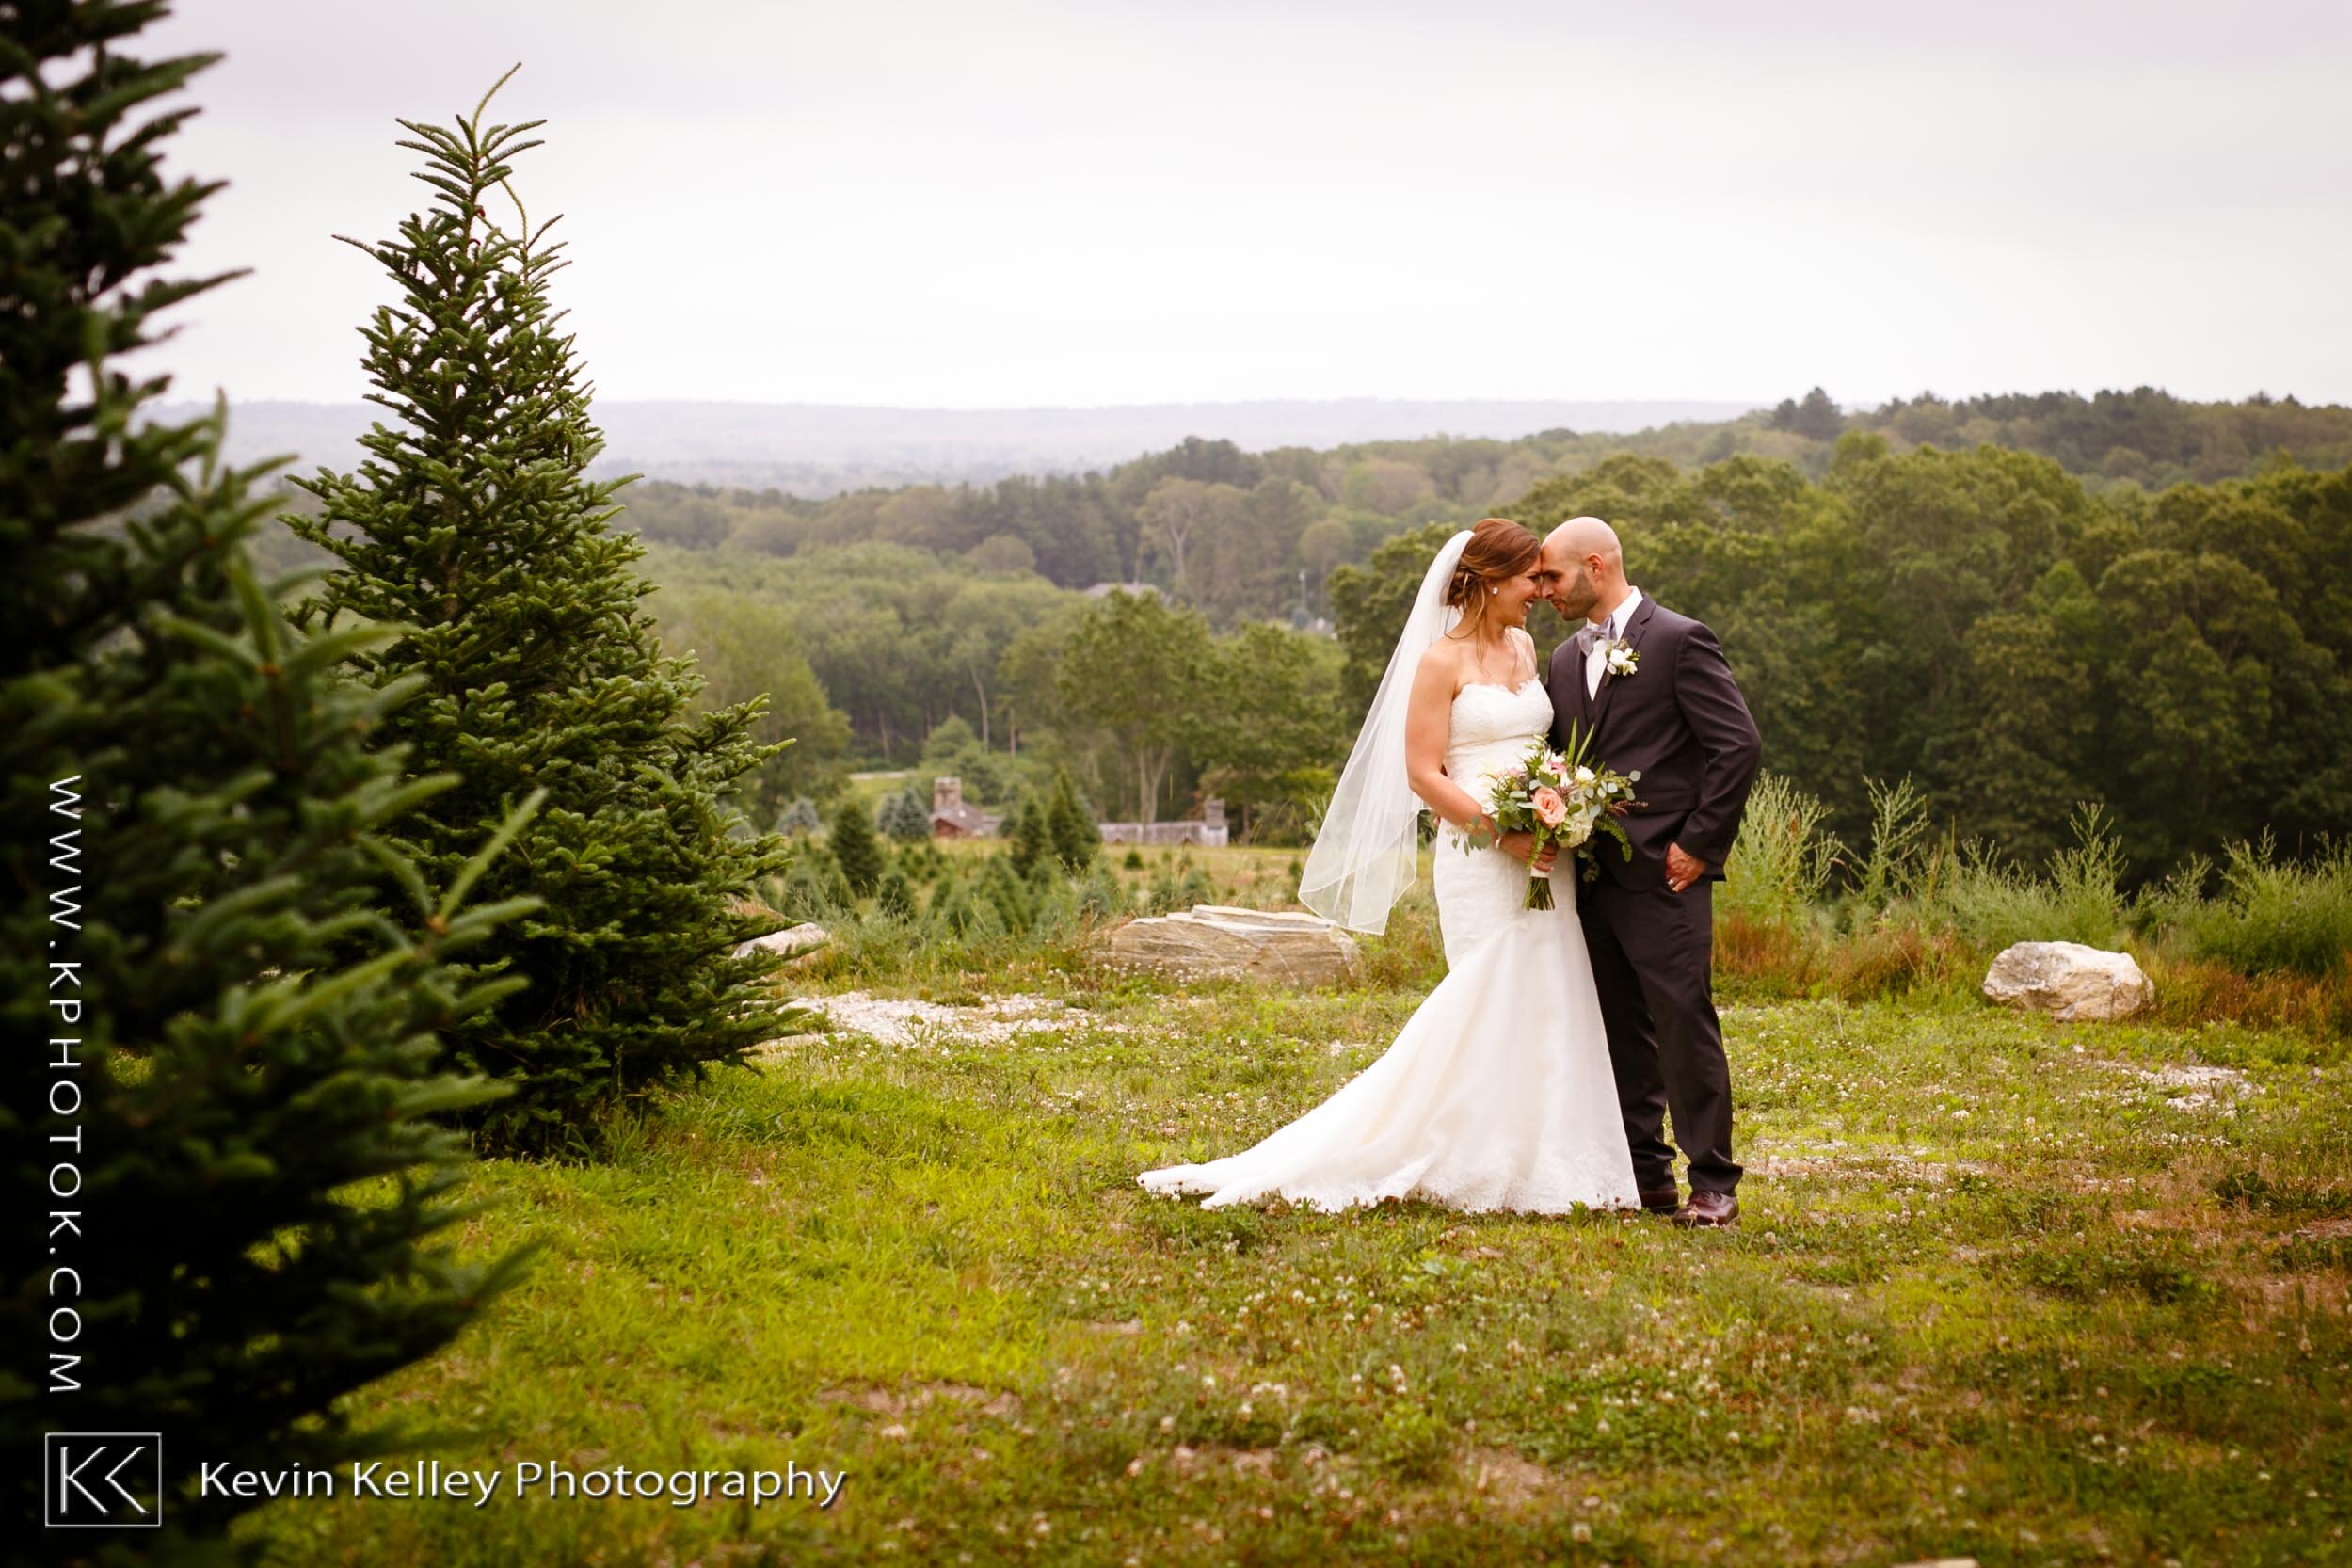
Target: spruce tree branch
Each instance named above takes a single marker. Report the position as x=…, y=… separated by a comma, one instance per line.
x=493, y=92
x=521, y=217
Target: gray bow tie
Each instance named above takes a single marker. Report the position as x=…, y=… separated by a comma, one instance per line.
x=1591, y=634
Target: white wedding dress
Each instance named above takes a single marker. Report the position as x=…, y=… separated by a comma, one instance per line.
x=1498, y=1094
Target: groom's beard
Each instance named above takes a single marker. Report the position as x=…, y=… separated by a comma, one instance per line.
x=1574, y=601
x=1574, y=610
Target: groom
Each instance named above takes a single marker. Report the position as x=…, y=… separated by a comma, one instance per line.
x=1653, y=690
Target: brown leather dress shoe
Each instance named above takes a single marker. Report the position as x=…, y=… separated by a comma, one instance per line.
x=1666, y=1202
x=1708, y=1209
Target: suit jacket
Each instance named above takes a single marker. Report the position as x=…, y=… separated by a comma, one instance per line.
x=1680, y=720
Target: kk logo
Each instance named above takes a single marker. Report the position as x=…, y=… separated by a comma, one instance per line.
x=102, y=1479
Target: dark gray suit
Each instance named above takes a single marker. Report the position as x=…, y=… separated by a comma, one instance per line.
x=1679, y=720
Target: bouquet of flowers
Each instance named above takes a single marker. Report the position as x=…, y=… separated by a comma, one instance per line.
x=1561, y=799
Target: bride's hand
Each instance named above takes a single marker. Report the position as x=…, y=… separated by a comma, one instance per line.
x=1521, y=846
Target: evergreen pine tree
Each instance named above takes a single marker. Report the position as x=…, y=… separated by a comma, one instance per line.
x=1103, y=897
x=855, y=846
x=1002, y=888
x=472, y=522
x=1076, y=836
x=815, y=888
x=800, y=819
x=953, y=911
x=1054, y=906
x=905, y=816
x=1031, y=839
x=895, y=896
x=235, y=1092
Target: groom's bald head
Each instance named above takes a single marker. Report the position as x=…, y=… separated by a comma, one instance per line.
x=1583, y=538
x=1583, y=565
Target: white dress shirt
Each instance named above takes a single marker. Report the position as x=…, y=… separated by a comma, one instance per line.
x=1596, y=657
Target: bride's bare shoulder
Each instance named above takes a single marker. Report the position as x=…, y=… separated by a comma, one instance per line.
x=1525, y=642
x=1440, y=666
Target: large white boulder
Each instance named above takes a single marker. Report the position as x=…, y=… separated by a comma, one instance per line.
x=1212, y=941
x=2069, y=981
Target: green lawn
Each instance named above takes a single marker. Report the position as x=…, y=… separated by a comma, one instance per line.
x=2006, y=1289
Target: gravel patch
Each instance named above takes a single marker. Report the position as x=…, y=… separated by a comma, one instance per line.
x=901, y=1022
x=2198, y=1087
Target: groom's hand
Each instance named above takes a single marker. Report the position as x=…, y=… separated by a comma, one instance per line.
x=1682, y=868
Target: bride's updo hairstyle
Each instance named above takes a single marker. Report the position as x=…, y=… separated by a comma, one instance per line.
x=1498, y=550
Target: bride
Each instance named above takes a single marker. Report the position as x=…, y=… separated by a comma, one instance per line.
x=1498, y=1094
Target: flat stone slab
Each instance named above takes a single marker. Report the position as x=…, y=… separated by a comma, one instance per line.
x=799, y=943
x=2070, y=982
x=1215, y=942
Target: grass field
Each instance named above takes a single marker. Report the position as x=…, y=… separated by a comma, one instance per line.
x=2006, y=1289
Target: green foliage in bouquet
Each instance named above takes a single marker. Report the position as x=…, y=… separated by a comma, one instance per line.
x=1562, y=799
x=471, y=520
x=1594, y=791
x=235, y=1114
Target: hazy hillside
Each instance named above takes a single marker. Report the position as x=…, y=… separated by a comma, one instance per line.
x=817, y=449
x=1251, y=528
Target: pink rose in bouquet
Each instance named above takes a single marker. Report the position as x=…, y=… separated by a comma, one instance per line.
x=1561, y=799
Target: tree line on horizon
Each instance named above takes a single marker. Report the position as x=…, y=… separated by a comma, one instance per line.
x=1982, y=621
x=872, y=620
x=1984, y=624
x=1186, y=519
x=1245, y=536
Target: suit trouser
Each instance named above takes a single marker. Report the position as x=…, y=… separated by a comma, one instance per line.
x=1653, y=961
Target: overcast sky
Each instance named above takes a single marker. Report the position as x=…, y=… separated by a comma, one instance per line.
x=975, y=204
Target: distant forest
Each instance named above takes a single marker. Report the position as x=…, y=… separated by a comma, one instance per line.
x=1982, y=594
x=1245, y=537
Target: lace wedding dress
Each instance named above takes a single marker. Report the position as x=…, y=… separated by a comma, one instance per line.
x=1498, y=1093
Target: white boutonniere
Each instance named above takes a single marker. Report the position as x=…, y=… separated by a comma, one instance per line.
x=1620, y=656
